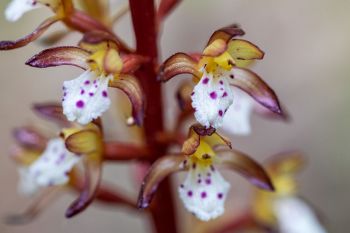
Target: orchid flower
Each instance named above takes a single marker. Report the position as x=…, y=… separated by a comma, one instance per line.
x=86, y=98
x=56, y=163
x=65, y=12
x=218, y=68
x=47, y=164
x=204, y=190
x=279, y=208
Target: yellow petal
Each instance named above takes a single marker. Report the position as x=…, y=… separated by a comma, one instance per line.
x=112, y=62
x=215, y=48
x=244, y=50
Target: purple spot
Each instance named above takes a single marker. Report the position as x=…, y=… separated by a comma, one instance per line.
x=221, y=113
x=225, y=94
x=91, y=94
x=87, y=82
x=82, y=92
x=203, y=195
x=194, y=165
x=208, y=181
x=95, y=81
x=192, y=93
x=220, y=195
x=65, y=93
x=194, y=109
x=63, y=88
x=199, y=181
x=226, y=110
x=221, y=88
x=212, y=168
x=213, y=95
x=185, y=162
x=104, y=94
x=205, y=81
x=221, y=82
x=80, y=104
x=96, y=86
x=182, y=186
x=208, y=174
x=199, y=175
x=189, y=193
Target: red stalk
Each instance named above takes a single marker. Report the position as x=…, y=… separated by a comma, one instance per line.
x=144, y=21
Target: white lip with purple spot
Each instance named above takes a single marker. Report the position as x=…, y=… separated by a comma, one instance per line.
x=85, y=98
x=53, y=166
x=211, y=98
x=204, y=192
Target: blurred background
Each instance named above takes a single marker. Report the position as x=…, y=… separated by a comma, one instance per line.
x=307, y=63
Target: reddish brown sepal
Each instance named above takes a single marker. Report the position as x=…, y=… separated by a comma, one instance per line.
x=161, y=169
x=179, y=63
x=51, y=111
x=131, y=87
x=66, y=55
x=226, y=33
x=90, y=188
x=7, y=45
x=246, y=167
x=253, y=85
x=30, y=138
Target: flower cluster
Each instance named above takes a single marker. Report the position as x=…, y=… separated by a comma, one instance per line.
x=223, y=94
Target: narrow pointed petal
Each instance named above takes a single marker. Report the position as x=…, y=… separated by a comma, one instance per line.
x=86, y=98
x=197, y=133
x=91, y=184
x=286, y=163
x=30, y=138
x=211, y=98
x=52, y=112
x=17, y=8
x=66, y=55
x=244, y=50
x=7, y=45
x=246, y=167
x=204, y=191
x=238, y=116
x=179, y=63
x=35, y=208
x=162, y=168
x=215, y=48
x=252, y=84
x=131, y=87
x=226, y=33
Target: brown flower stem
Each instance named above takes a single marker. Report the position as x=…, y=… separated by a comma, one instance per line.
x=115, y=151
x=144, y=21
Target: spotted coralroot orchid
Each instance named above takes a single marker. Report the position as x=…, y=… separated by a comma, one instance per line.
x=86, y=97
x=46, y=164
x=204, y=190
x=276, y=210
x=219, y=67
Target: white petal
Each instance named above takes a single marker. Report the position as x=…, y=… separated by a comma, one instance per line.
x=85, y=98
x=237, y=117
x=17, y=8
x=27, y=185
x=211, y=98
x=204, y=192
x=53, y=166
x=295, y=216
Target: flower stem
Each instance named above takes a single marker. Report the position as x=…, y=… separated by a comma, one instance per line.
x=144, y=21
